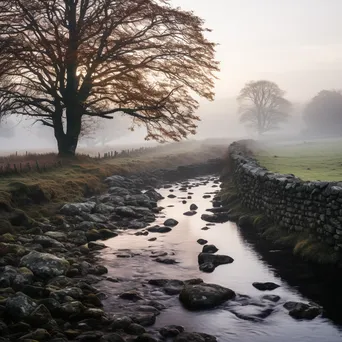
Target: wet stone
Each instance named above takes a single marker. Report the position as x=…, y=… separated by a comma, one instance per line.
x=146, y=338
x=131, y=295
x=167, y=261
x=158, y=229
x=144, y=319
x=190, y=213
x=195, y=337
x=204, y=296
x=268, y=286
x=135, y=329
x=112, y=338
x=171, y=331
x=272, y=298
x=170, y=223
x=207, y=267
x=209, y=249
x=120, y=322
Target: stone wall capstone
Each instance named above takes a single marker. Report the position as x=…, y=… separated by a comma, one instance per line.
x=314, y=207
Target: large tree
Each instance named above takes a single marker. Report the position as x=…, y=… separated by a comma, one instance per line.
x=262, y=106
x=323, y=114
x=71, y=59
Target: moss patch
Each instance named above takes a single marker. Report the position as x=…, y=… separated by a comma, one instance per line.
x=302, y=244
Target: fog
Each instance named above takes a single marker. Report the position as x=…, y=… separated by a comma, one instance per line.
x=296, y=44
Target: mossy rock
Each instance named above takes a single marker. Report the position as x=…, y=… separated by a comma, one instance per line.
x=57, y=219
x=7, y=238
x=5, y=227
x=20, y=218
x=10, y=248
x=25, y=271
x=24, y=194
x=93, y=235
x=5, y=201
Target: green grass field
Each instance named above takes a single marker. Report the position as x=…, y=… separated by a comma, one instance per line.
x=308, y=160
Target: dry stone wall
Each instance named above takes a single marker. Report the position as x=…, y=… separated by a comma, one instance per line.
x=313, y=207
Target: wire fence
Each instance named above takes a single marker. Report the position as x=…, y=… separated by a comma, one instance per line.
x=33, y=162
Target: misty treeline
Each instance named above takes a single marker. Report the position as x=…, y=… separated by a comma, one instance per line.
x=263, y=107
x=67, y=63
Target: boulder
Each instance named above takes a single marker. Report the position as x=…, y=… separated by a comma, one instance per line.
x=104, y=209
x=19, y=307
x=90, y=336
x=96, y=246
x=57, y=235
x=215, y=259
x=154, y=195
x=118, y=191
x=190, y=213
x=37, y=335
x=195, y=337
x=193, y=207
x=209, y=249
x=5, y=227
x=112, y=338
x=15, y=277
x=120, y=322
x=170, y=223
x=126, y=212
x=272, y=298
x=268, y=286
x=167, y=261
x=158, y=229
x=45, y=265
x=202, y=241
x=303, y=311
x=171, y=331
x=47, y=242
x=131, y=295
x=73, y=209
x=40, y=316
x=144, y=318
x=146, y=338
x=11, y=248
x=207, y=267
x=135, y=329
x=204, y=296
x=71, y=309
x=215, y=218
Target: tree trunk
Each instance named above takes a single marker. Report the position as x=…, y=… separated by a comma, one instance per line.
x=67, y=142
x=67, y=145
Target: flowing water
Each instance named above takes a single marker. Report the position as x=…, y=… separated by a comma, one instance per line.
x=238, y=321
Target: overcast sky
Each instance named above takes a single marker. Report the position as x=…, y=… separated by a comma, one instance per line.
x=297, y=43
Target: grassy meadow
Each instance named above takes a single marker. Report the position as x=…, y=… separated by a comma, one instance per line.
x=84, y=176
x=312, y=160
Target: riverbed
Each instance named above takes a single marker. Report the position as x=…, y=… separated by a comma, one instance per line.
x=130, y=260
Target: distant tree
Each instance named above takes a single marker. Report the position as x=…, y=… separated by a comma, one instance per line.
x=323, y=114
x=96, y=58
x=262, y=106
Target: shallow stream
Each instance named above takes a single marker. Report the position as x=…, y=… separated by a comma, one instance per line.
x=129, y=262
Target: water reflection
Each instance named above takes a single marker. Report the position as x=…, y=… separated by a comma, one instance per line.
x=239, y=276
